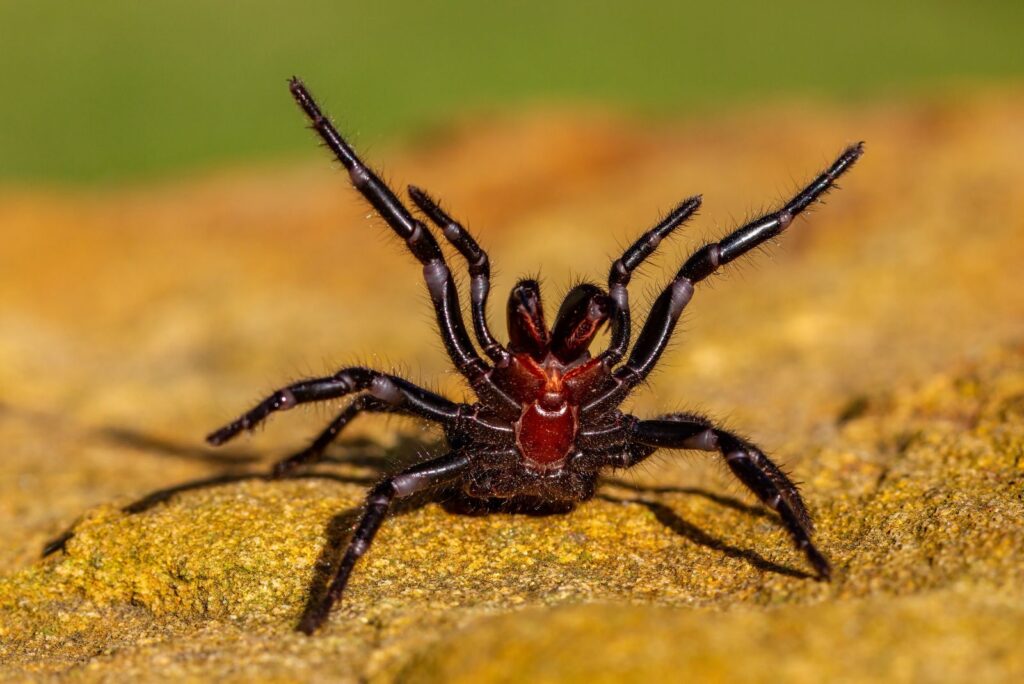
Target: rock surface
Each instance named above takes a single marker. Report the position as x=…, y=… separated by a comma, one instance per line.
x=878, y=353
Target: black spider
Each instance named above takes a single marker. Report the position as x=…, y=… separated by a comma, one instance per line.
x=546, y=422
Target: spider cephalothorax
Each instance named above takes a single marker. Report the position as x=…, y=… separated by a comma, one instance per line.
x=546, y=422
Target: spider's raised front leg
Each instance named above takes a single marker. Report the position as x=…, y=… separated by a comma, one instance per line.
x=429, y=475
x=670, y=303
x=622, y=270
x=421, y=243
x=479, y=271
x=748, y=463
x=400, y=394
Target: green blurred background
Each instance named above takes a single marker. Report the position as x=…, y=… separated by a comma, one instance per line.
x=101, y=91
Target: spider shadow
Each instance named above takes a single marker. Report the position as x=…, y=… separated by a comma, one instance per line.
x=359, y=452
x=751, y=510
x=234, y=463
x=377, y=461
x=454, y=502
x=673, y=521
x=159, y=446
x=165, y=494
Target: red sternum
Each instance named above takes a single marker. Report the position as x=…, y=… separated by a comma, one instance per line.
x=546, y=430
x=545, y=433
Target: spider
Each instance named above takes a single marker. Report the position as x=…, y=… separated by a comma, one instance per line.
x=546, y=421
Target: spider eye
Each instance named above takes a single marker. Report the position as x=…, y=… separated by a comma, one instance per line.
x=527, y=329
x=585, y=309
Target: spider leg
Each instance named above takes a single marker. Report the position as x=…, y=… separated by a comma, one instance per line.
x=622, y=269
x=315, y=451
x=669, y=305
x=421, y=243
x=389, y=389
x=479, y=271
x=748, y=463
x=429, y=475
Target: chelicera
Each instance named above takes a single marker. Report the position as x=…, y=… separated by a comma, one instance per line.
x=546, y=422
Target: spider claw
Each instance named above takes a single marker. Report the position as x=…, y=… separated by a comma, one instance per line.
x=820, y=563
x=311, y=621
x=295, y=85
x=287, y=466
x=57, y=544
x=221, y=435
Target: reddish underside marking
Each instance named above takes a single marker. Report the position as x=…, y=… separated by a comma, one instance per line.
x=545, y=435
x=547, y=428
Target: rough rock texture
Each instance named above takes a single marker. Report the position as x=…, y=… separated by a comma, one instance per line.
x=879, y=353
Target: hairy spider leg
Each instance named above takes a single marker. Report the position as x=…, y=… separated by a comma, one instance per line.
x=400, y=394
x=428, y=475
x=479, y=271
x=746, y=461
x=364, y=403
x=622, y=270
x=421, y=243
x=670, y=303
